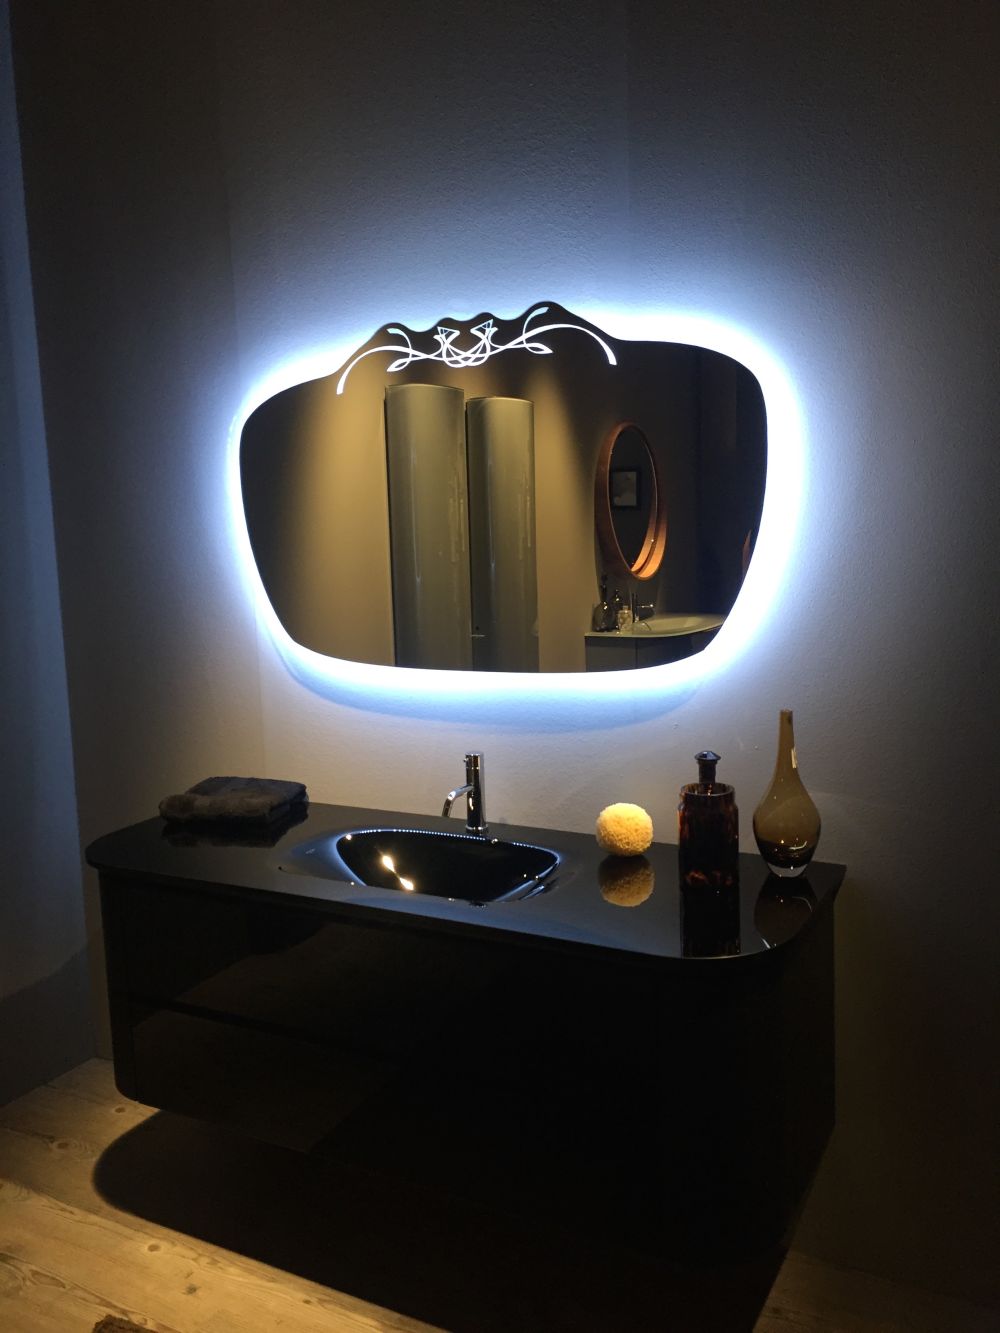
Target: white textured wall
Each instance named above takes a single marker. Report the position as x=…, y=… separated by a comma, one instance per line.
x=216, y=188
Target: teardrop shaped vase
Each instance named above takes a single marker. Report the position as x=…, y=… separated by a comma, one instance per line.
x=786, y=824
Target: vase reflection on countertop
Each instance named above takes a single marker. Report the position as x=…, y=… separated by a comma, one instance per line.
x=782, y=909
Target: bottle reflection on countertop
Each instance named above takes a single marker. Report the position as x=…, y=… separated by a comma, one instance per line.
x=710, y=921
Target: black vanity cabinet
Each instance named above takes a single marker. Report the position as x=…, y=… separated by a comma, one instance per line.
x=562, y=1050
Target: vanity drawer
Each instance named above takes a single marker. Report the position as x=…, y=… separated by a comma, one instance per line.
x=386, y=992
x=269, y=1085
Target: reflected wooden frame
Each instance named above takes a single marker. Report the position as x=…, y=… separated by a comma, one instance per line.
x=647, y=563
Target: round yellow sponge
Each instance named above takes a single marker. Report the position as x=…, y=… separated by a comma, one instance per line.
x=625, y=881
x=624, y=829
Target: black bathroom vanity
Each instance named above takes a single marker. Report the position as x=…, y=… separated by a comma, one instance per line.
x=664, y=1068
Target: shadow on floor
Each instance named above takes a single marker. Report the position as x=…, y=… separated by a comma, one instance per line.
x=410, y=1248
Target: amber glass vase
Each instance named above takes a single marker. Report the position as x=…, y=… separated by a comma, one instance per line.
x=786, y=824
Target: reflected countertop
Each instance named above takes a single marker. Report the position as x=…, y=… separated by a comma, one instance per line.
x=665, y=626
x=633, y=907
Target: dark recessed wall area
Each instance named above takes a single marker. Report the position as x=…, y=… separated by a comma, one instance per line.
x=213, y=189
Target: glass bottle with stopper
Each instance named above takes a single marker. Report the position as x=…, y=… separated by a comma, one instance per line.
x=603, y=617
x=709, y=864
x=708, y=829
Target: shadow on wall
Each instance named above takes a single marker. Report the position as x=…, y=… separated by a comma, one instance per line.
x=46, y=1028
x=412, y=1249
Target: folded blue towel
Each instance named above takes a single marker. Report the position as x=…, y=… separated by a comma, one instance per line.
x=248, y=800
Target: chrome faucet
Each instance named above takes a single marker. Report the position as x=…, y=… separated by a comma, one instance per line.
x=473, y=790
x=640, y=610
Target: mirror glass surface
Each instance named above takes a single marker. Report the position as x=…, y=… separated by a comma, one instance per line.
x=432, y=502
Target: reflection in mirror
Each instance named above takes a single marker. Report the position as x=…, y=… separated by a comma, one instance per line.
x=432, y=503
x=629, y=505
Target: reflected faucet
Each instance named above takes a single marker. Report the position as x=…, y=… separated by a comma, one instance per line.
x=640, y=610
x=473, y=789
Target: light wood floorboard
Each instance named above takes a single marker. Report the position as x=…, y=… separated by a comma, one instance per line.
x=823, y=1298
x=68, y=1256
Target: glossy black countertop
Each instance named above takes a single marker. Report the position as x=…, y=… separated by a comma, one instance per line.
x=577, y=913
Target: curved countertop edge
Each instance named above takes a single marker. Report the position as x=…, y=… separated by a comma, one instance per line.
x=572, y=916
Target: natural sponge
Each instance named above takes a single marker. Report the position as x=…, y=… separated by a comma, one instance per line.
x=625, y=881
x=624, y=829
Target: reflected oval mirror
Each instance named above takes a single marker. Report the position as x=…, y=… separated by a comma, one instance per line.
x=431, y=502
x=629, y=506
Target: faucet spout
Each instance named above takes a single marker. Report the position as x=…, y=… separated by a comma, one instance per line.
x=473, y=789
x=451, y=798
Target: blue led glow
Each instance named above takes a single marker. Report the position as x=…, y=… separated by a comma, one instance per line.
x=397, y=688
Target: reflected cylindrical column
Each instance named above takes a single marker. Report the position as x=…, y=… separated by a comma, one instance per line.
x=501, y=450
x=429, y=525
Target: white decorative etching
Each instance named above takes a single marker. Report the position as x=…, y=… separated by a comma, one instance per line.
x=483, y=346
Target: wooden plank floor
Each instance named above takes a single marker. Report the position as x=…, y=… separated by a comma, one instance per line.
x=69, y=1255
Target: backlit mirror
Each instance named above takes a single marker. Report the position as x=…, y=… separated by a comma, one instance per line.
x=452, y=498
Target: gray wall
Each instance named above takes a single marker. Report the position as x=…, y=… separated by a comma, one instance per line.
x=215, y=188
x=44, y=988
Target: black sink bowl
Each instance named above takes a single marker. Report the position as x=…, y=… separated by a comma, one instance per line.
x=421, y=861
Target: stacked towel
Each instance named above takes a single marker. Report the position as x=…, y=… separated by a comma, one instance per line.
x=244, y=800
x=234, y=832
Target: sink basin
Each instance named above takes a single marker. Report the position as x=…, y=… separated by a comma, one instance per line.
x=677, y=624
x=421, y=861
